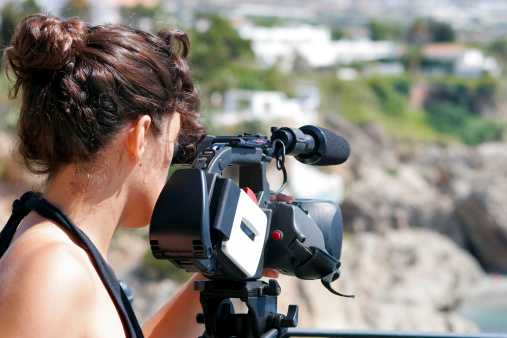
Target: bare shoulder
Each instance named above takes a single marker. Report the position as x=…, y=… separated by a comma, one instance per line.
x=45, y=285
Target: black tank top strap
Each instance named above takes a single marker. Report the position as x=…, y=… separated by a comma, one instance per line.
x=31, y=201
x=19, y=211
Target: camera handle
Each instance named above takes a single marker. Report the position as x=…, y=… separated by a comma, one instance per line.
x=260, y=297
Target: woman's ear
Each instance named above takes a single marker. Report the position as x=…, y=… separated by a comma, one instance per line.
x=136, y=139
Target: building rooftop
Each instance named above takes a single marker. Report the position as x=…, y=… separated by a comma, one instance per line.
x=443, y=50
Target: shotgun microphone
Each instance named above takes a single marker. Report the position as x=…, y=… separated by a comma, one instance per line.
x=313, y=145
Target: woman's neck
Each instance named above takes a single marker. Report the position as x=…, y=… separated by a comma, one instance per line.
x=95, y=208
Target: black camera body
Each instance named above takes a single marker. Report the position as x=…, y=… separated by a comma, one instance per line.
x=203, y=222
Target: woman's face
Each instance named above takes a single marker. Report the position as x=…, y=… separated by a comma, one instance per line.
x=152, y=170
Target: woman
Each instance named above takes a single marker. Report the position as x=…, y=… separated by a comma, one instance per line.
x=102, y=108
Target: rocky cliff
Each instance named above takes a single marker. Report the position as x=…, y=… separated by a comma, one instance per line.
x=457, y=191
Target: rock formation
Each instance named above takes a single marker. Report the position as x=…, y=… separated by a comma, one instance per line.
x=458, y=191
x=411, y=279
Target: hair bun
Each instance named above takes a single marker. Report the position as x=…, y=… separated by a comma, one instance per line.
x=45, y=42
x=178, y=41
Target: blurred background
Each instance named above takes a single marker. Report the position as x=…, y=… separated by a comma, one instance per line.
x=417, y=87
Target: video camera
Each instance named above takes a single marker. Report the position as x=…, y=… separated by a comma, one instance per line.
x=203, y=222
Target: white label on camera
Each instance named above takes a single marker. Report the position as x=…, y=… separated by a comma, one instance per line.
x=246, y=242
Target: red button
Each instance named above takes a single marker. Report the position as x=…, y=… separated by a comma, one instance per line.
x=276, y=236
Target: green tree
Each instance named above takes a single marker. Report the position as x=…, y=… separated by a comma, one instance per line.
x=12, y=14
x=381, y=30
x=499, y=49
x=413, y=58
x=378, y=30
x=447, y=117
x=222, y=59
x=428, y=30
x=268, y=21
x=418, y=32
x=391, y=94
x=453, y=119
x=337, y=34
x=216, y=44
x=218, y=54
x=442, y=32
x=473, y=95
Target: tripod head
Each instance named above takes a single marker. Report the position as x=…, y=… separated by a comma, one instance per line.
x=260, y=297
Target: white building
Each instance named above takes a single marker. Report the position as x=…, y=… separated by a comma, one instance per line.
x=473, y=63
x=464, y=61
x=314, y=44
x=268, y=106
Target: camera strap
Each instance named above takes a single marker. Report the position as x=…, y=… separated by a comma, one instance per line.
x=32, y=201
x=311, y=261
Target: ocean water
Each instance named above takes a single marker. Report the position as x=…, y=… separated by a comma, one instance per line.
x=486, y=306
x=490, y=317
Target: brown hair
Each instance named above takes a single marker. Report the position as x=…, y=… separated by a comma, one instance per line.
x=81, y=84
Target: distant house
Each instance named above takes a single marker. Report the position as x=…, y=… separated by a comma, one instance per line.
x=473, y=63
x=445, y=52
x=247, y=105
x=460, y=60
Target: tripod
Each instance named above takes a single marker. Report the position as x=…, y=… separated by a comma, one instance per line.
x=260, y=297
